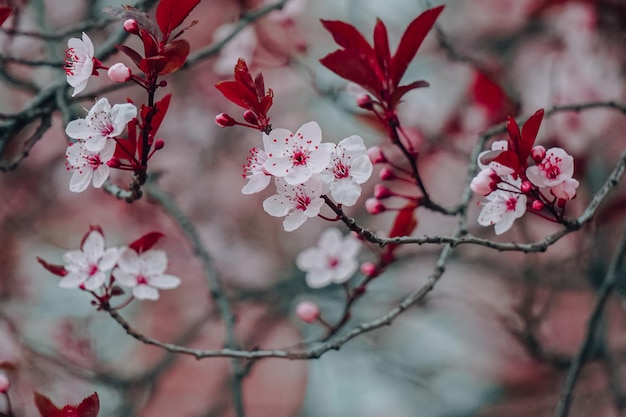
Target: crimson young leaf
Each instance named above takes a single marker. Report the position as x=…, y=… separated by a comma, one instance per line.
x=146, y=242
x=171, y=13
x=411, y=41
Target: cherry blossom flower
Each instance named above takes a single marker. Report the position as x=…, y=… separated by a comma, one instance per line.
x=349, y=167
x=297, y=203
x=144, y=273
x=502, y=209
x=257, y=176
x=565, y=190
x=556, y=167
x=333, y=260
x=88, y=166
x=79, y=62
x=296, y=157
x=86, y=267
x=102, y=123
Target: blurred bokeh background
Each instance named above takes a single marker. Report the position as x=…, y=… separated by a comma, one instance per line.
x=496, y=335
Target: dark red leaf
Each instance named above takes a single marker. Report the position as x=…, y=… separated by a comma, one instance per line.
x=403, y=225
x=5, y=12
x=411, y=41
x=89, y=406
x=515, y=136
x=509, y=159
x=171, y=13
x=529, y=133
x=381, y=47
x=146, y=242
x=243, y=76
x=348, y=37
x=403, y=89
x=125, y=148
x=45, y=406
x=131, y=53
x=175, y=54
x=236, y=93
x=488, y=93
x=58, y=270
x=153, y=64
x=150, y=45
x=161, y=106
x=259, y=85
x=266, y=102
x=353, y=68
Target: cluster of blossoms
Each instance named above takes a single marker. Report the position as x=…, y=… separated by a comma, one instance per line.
x=136, y=266
x=512, y=187
x=304, y=170
x=91, y=156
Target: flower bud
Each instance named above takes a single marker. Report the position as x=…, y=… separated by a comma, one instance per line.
x=307, y=311
x=131, y=26
x=114, y=163
x=538, y=153
x=5, y=384
x=364, y=101
x=159, y=144
x=382, y=192
x=373, y=206
x=526, y=187
x=224, y=120
x=537, y=205
x=369, y=269
x=485, y=182
x=250, y=117
x=387, y=174
x=376, y=155
x=119, y=73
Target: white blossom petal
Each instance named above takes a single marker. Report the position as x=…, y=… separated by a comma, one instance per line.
x=145, y=292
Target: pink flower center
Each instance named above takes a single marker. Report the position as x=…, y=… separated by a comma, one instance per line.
x=93, y=270
x=94, y=161
x=550, y=167
x=341, y=170
x=71, y=58
x=302, y=201
x=511, y=203
x=333, y=262
x=300, y=157
x=141, y=280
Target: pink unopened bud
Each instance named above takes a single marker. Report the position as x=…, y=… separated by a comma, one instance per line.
x=114, y=163
x=537, y=205
x=224, y=120
x=376, y=155
x=131, y=26
x=369, y=269
x=381, y=192
x=387, y=174
x=538, y=153
x=5, y=384
x=485, y=182
x=159, y=144
x=364, y=101
x=119, y=73
x=307, y=311
x=373, y=206
x=250, y=117
x=526, y=187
